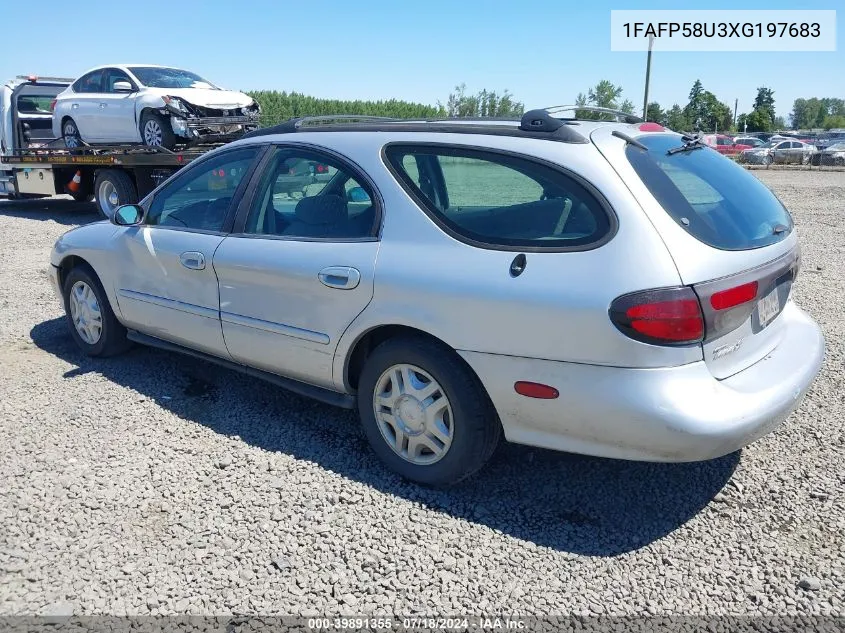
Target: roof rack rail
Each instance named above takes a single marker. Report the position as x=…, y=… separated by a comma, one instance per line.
x=547, y=128
x=621, y=115
x=296, y=123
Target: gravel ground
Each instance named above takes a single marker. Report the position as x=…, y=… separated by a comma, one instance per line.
x=154, y=483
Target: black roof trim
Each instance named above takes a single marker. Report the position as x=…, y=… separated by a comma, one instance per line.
x=562, y=132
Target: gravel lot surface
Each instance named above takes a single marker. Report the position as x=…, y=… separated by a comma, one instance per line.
x=154, y=483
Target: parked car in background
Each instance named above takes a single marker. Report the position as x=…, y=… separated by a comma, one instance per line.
x=154, y=105
x=831, y=155
x=830, y=138
x=780, y=152
x=724, y=144
x=750, y=141
x=426, y=281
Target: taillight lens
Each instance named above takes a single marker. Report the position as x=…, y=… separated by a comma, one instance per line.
x=53, y=105
x=665, y=316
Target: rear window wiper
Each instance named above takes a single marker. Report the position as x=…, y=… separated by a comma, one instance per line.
x=628, y=139
x=690, y=142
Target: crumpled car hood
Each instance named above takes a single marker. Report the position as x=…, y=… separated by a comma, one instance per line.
x=219, y=99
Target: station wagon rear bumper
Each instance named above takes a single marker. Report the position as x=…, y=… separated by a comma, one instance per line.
x=673, y=414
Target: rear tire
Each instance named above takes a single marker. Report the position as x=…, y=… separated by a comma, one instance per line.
x=768, y=160
x=113, y=188
x=92, y=322
x=156, y=131
x=70, y=134
x=448, y=433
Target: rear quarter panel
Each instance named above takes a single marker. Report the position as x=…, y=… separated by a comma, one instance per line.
x=464, y=295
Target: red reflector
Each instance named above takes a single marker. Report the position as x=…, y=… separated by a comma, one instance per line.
x=651, y=127
x=732, y=297
x=668, y=320
x=535, y=390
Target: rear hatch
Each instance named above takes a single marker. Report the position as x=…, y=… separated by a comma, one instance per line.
x=730, y=237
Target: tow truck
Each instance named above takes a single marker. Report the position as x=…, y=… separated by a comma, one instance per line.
x=33, y=164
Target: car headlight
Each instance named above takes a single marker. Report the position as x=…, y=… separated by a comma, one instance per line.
x=253, y=109
x=175, y=103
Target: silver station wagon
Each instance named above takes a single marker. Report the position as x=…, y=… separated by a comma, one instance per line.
x=607, y=288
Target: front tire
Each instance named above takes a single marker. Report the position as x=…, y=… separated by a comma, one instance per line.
x=92, y=322
x=425, y=413
x=156, y=131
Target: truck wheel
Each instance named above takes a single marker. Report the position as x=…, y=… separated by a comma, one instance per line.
x=424, y=412
x=156, y=131
x=113, y=188
x=70, y=134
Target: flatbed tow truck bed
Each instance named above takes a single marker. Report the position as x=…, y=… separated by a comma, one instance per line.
x=33, y=165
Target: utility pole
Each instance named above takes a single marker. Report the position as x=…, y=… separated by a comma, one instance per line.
x=647, y=76
x=736, y=105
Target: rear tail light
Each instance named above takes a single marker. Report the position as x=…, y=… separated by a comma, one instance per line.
x=53, y=105
x=666, y=316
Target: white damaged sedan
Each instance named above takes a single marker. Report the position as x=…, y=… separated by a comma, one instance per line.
x=154, y=105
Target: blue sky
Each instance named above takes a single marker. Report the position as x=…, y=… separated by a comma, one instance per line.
x=543, y=52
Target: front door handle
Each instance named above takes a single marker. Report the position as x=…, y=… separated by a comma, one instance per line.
x=74, y=105
x=342, y=277
x=193, y=260
x=102, y=105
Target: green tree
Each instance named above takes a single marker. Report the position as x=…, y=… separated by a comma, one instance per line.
x=705, y=112
x=676, y=119
x=655, y=113
x=765, y=100
x=485, y=103
x=757, y=121
x=835, y=121
x=603, y=95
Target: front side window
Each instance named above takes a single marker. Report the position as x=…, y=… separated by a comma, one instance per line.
x=501, y=200
x=200, y=198
x=715, y=200
x=112, y=76
x=305, y=194
x=92, y=82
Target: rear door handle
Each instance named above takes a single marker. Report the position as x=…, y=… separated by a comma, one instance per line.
x=102, y=105
x=193, y=260
x=342, y=277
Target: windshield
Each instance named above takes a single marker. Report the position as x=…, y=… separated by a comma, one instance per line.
x=715, y=200
x=170, y=78
x=837, y=147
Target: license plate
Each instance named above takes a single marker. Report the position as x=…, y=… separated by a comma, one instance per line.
x=768, y=307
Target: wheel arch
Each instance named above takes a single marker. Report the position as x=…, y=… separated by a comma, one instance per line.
x=68, y=263
x=367, y=341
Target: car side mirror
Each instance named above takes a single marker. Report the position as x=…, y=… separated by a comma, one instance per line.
x=122, y=86
x=357, y=194
x=128, y=215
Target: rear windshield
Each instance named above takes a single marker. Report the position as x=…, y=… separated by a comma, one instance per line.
x=711, y=197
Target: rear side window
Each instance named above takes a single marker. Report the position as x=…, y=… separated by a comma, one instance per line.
x=501, y=200
x=711, y=197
